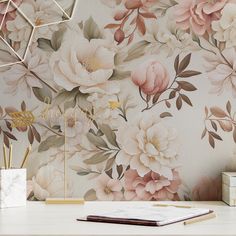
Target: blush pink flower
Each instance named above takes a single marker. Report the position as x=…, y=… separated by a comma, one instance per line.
x=197, y=15
x=108, y=189
x=207, y=189
x=150, y=187
x=151, y=77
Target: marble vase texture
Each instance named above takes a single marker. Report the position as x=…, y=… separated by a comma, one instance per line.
x=12, y=188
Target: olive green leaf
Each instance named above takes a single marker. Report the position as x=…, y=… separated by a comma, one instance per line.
x=91, y=30
x=97, y=158
x=109, y=133
x=136, y=51
x=43, y=94
x=90, y=195
x=50, y=142
x=96, y=140
x=165, y=114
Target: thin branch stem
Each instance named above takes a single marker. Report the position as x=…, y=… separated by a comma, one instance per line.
x=41, y=80
x=48, y=128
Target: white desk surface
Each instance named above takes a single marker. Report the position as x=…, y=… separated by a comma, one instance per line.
x=40, y=219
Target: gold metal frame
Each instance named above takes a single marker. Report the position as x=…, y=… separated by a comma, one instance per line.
x=65, y=200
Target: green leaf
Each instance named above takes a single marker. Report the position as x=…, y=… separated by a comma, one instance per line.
x=204, y=133
x=91, y=30
x=214, y=125
x=176, y=64
x=45, y=45
x=179, y=103
x=50, y=142
x=109, y=133
x=168, y=104
x=172, y=94
x=110, y=163
x=43, y=94
x=186, y=99
x=119, y=170
x=136, y=51
x=156, y=97
x=188, y=73
x=228, y=107
x=165, y=114
x=218, y=112
x=211, y=141
x=96, y=140
x=70, y=104
x=97, y=158
x=215, y=135
x=83, y=173
x=119, y=75
x=184, y=63
x=90, y=195
x=186, y=86
x=57, y=39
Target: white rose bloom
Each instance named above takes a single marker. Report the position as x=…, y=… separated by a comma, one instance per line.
x=77, y=125
x=106, y=108
x=49, y=182
x=168, y=40
x=38, y=12
x=85, y=64
x=225, y=27
x=148, y=145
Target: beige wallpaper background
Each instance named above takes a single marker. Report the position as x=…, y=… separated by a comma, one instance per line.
x=143, y=90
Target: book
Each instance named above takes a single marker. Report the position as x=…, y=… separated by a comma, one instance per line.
x=146, y=215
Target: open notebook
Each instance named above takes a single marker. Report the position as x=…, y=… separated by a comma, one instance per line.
x=146, y=215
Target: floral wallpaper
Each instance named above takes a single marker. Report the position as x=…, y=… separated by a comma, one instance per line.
x=139, y=95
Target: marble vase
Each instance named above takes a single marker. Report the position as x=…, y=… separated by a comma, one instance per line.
x=12, y=188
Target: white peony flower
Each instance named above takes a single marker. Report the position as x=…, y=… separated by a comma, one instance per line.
x=49, y=182
x=106, y=107
x=148, y=145
x=108, y=189
x=77, y=125
x=225, y=27
x=168, y=40
x=222, y=71
x=85, y=64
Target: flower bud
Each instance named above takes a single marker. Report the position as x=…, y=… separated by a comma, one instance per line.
x=133, y=4
x=119, y=36
x=120, y=15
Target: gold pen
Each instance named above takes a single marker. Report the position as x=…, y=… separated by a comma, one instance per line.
x=171, y=205
x=27, y=152
x=10, y=156
x=5, y=155
x=200, y=218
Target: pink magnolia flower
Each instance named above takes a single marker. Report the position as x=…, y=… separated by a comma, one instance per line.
x=207, y=189
x=151, y=77
x=10, y=13
x=197, y=15
x=108, y=189
x=150, y=187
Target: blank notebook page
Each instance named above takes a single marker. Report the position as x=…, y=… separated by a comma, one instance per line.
x=162, y=215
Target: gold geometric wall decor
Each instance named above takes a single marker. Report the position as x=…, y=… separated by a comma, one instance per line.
x=13, y=51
